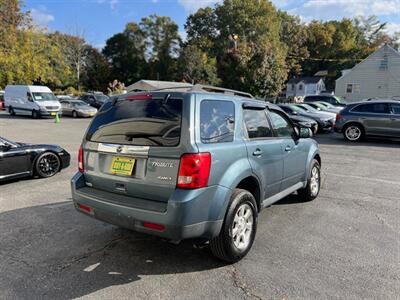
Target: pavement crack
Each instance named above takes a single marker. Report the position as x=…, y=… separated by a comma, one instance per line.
x=109, y=245
x=237, y=282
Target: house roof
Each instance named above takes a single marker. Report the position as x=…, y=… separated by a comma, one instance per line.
x=305, y=79
x=385, y=47
x=149, y=85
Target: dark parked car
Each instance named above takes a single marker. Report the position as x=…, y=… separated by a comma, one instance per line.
x=325, y=121
x=372, y=118
x=193, y=164
x=77, y=108
x=96, y=100
x=334, y=100
x=305, y=122
x=20, y=159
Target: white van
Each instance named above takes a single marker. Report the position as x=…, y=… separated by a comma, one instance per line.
x=31, y=100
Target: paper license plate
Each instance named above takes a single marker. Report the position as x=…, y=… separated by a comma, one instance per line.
x=122, y=165
x=53, y=113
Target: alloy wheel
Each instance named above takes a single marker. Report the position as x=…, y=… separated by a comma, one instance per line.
x=314, y=181
x=353, y=133
x=242, y=226
x=48, y=165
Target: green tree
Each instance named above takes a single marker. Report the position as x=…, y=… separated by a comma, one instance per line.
x=97, y=71
x=196, y=66
x=294, y=35
x=162, y=46
x=126, y=53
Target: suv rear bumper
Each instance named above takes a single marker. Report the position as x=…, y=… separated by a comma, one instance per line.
x=187, y=214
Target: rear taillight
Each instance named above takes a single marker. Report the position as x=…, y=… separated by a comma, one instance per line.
x=154, y=226
x=81, y=166
x=338, y=117
x=194, y=170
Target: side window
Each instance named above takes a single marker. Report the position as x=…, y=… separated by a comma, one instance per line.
x=396, y=108
x=281, y=126
x=376, y=108
x=257, y=124
x=217, y=121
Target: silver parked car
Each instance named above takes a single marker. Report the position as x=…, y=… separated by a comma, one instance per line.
x=77, y=108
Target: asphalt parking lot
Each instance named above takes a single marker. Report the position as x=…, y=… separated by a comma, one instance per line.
x=343, y=245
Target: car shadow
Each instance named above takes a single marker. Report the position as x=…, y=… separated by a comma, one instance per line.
x=52, y=251
x=337, y=139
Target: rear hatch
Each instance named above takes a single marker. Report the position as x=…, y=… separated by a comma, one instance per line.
x=133, y=146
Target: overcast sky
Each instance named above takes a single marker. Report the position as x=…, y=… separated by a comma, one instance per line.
x=100, y=19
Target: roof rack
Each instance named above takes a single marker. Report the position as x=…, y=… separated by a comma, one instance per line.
x=214, y=89
x=206, y=88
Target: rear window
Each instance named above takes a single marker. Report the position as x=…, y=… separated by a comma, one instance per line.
x=150, y=122
x=217, y=120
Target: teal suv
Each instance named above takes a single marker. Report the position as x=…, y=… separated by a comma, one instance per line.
x=197, y=162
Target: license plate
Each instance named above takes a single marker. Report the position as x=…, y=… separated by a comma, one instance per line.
x=53, y=113
x=122, y=165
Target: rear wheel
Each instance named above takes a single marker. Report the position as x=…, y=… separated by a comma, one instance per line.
x=353, y=132
x=47, y=164
x=74, y=114
x=311, y=191
x=11, y=111
x=239, y=228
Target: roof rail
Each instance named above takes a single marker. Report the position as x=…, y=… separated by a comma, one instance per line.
x=214, y=89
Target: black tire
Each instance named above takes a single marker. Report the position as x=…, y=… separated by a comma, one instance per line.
x=74, y=114
x=11, y=111
x=223, y=246
x=49, y=161
x=353, y=132
x=308, y=193
x=35, y=114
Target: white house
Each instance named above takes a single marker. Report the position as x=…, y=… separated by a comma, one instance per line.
x=377, y=76
x=303, y=86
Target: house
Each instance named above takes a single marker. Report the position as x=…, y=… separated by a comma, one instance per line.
x=303, y=86
x=149, y=85
x=377, y=76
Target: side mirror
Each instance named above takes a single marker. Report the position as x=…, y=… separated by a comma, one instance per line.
x=305, y=133
x=295, y=113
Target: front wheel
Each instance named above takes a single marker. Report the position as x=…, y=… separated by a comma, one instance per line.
x=238, y=230
x=35, y=114
x=74, y=114
x=47, y=165
x=311, y=191
x=11, y=111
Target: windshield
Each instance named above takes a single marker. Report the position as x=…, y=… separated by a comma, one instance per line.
x=308, y=108
x=44, y=96
x=102, y=98
x=339, y=99
x=147, y=122
x=297, y=108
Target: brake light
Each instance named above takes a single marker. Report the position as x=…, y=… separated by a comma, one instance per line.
x=140, y=97
x=194, y=170
x=85, y=208
x=81, y=167
x=338, y=117
x=154, y=226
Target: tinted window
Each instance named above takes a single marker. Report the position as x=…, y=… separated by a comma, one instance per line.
x=395, y=108
x=217, y=121
x=377, y=108
x=257, y=124
x=281, y=126
x=150, y=122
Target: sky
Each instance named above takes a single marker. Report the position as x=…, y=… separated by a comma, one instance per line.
x=100, y=19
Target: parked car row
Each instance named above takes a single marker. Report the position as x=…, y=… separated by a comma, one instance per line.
x=39, y=101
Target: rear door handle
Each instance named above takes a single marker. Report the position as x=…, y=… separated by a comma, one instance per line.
x=288, y=148
x=258, y=152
